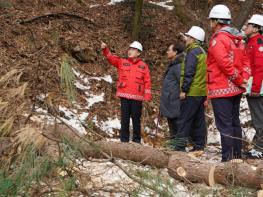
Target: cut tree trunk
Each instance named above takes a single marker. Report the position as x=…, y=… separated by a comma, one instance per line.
x=181, y=166
x=145, y=155
x=238, y=174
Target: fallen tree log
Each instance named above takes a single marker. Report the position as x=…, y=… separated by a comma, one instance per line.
x=181, y=166
x=145, y=155
x=238, y=174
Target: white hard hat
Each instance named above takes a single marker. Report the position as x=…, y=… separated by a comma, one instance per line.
x=136, y=45
x=197, y=33
x=220, y=12
x=256, y=19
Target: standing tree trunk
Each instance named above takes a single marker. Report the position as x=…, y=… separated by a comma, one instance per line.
x=246, y=9
x=137, y=20
x=181, y=12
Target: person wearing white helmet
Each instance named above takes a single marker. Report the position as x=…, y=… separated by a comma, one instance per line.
x=254, y=48
x=191, y=122
x=227, y=75
x=133, y=87
x=220, y=14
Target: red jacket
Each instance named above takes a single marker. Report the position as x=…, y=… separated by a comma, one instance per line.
x=255, y=52
x=227, y=64
x=133, y=77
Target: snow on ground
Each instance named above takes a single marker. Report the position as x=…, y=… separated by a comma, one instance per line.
x=108, y=125
x=83, y=83
x=94, y=99
x=71, y=118
x=95, y=5
x=113, y=2
x=163, y=4
x=157, y=122
x=75, y=120
x=107, y=176
x=77, y=115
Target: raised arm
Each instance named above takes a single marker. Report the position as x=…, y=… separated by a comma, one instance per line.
x=112, y=59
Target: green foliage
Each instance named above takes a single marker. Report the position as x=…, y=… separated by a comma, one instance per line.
x=176, y=143
x=6, y=185
x=5, y=4
x=28, y=169
x=67, y=77
x=54, y=35
x=241, y=192
x=164, y=187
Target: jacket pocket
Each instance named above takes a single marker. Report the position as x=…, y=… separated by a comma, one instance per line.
x=139, y=77
x=124, y=72
x=259, y=58
x=141, y=88
x=121, y=84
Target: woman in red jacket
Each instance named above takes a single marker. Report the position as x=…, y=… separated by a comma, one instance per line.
x=227, y=79
x=253, y=31
x=133, y=87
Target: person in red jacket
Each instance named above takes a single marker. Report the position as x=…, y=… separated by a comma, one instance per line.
x=133, y=87
x=254, y=48
x=227, y=75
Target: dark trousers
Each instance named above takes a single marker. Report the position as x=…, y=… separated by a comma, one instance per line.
x=256, y=110
x=226, y=111
x=173, y=127
x=191, y=122
x=130, y=109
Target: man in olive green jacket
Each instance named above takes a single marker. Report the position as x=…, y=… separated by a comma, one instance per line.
x=191, y=122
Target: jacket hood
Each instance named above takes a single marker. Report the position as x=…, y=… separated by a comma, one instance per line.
x=232, y=32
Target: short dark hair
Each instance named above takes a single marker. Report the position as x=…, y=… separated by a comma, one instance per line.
x=222, y=21
x=178, y=47
x=257, y=26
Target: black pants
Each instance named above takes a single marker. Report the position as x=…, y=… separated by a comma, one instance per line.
x=256, y=110
x=226, y=111
x=130, y=109
x=191, y=122
x=173, y=127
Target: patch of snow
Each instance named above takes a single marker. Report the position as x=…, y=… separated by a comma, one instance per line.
x=114, y=2
x=94, y=99
x=256, y=153
x=106, y=78
x=74, y=120
x=109, y=125
x=81, y=86
x=83, y=83
x=77, y=73
x=156, y=122
x=147, y=130
x=95, y=5
x=163, y=4
x=213, y=137
x=41, y=97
